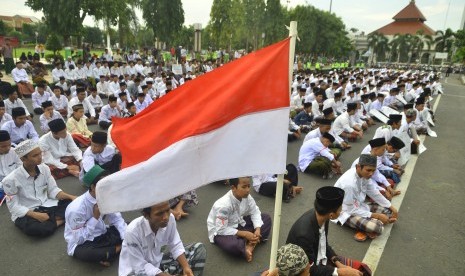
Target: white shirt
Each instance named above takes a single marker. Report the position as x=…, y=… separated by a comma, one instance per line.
x=44, y=121
x=63, y=86
x=5, y=118
x=356, y=189
x=19, y=75
x=103, y=87
x=296, y=102
x=9, y=105
x=38, y=99
x=385, y=132
x=54, y=149
x=26, y=192
x=140, y=105
x=57, y=73
x=81, y=226
x=59, y=103
x=113, y=87
x=258, y=180
x=88, y=108
x=141, y=252
x=19, y=134
x=227, y=214
x=89, y=159
x=107, y=113
x=310, y=150
x=95, y=102
x=342, y=124
x=8, y=163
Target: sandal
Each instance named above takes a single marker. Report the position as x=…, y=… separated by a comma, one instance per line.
x=360, y=236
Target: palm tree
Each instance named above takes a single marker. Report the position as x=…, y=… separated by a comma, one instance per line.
x=400, y=46
x=378, y=44
x=419, y=42
x=444, y=41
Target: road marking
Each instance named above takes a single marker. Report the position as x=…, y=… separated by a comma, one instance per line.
x=375, y=251
x=459, y=96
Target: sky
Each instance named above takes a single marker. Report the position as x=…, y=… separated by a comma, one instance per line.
x=364, y=15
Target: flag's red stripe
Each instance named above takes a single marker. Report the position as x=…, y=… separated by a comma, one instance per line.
x=256, y=82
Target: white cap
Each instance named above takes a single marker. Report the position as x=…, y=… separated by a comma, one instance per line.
x=25, y=147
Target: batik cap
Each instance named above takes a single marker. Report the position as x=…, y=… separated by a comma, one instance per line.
x=291, y=260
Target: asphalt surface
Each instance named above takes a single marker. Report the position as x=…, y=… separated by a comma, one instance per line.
x=428, y=239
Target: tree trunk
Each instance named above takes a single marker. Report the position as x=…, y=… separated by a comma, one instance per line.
x=66, y=40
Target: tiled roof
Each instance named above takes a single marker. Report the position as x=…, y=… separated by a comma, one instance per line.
x=411, y=11
x=405, y=27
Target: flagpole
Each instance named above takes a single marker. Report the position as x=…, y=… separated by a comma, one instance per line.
x=280, y=181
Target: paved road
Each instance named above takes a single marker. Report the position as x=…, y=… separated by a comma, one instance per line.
x=428, y=239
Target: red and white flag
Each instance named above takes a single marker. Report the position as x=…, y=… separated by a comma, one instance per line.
x=228, y=123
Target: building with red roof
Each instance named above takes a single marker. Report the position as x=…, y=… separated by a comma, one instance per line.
x=409, y=20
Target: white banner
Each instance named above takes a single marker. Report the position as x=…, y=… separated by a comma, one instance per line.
x=439, y=55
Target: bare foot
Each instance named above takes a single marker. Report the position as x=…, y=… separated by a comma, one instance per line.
x=74, y=173
x=396, y=193
x=105, y=264
x=296, y=190
x=249, y=247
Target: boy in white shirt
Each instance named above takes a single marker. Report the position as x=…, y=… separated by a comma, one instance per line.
x=235, y=222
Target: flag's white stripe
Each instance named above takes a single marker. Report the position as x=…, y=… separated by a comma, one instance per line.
x=249, y=145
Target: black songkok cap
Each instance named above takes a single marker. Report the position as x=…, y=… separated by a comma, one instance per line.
x=395, y=117
x=56, y=125
x=330, y=197
x=4, y=136
x=378, y=142
x=396, y=143
x=99, y=137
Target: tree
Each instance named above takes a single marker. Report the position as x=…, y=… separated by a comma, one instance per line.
x=220, y=21
x=65, y=17
x=254, y=20
x=165, y=17
x=93, y=35
x=379, y=46
x=4, y=28
x=400, y=47
x=444, y=40
x=53, y=44
x=275, y=20
x=320, y=32
x=419, y=42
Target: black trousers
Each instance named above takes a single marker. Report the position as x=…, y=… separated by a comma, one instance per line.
x=104, y=124
x=114, y=164
x=269, y=188
x=33, y=227
x=102, y=248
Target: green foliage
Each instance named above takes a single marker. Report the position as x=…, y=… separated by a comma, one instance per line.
x=53, y=43
x=54, y=58
x=320, y=32
x=221, y=21
x=185, y=38
x=4, y=28
x=93, y=35
x=17, y=34
x=275, y=19
x=165, y=17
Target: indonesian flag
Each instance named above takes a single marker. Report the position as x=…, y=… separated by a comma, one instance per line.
x=231, y=122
